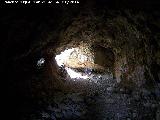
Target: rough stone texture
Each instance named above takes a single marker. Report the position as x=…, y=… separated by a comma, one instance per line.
x=43, y=93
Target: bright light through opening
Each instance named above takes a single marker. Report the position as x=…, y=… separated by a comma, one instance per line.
x=70, y=57
x=60, y=59
x=74, y=74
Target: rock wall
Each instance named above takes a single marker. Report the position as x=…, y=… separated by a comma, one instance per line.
x=124, y=35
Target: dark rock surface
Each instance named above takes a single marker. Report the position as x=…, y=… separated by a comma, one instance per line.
x=129, y=29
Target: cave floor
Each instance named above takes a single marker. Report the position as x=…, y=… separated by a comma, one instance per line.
x=100, y=99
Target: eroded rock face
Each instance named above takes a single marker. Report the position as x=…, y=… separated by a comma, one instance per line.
x=125, y=39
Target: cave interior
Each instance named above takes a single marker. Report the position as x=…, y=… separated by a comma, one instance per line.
x=97, y=60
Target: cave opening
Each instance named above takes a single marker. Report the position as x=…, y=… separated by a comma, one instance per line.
x=86, y=62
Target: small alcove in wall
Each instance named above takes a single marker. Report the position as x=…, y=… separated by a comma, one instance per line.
x=104, y=57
